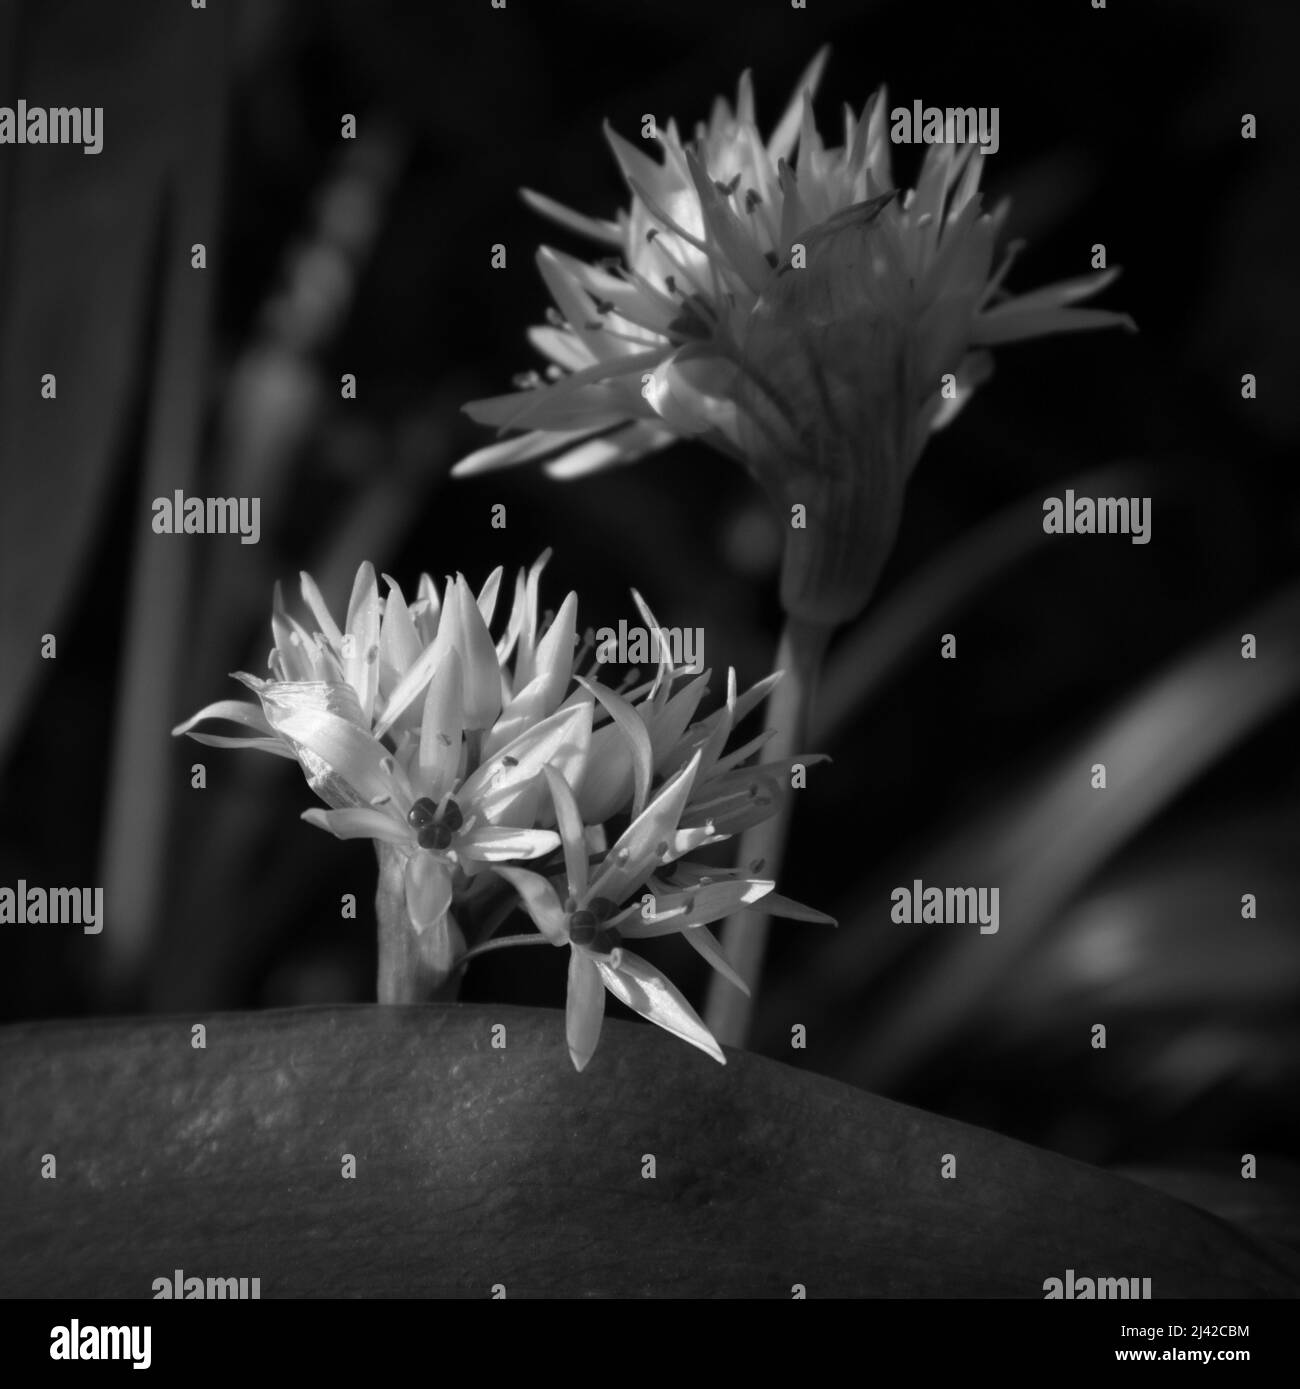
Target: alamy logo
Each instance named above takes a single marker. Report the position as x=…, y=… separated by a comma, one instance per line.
x=57, y=906
x=182, y=515
x=77, y=1342
x=1073, y=515
x=54, y=125
x=1096, y=1289
x=945, y=125
x=955, y=906
x=194, y=1288
x=644, y=646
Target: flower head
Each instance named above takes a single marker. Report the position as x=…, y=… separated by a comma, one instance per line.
x=459, y=754
x=418, y=730
x=793, y=312
x=594, y=915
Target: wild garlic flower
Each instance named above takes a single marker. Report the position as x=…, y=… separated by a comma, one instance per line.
x=594, y=915
x=419, y=731
x=790, y=310
x=459, y=754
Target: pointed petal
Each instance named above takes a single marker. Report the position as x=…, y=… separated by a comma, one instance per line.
x=554, y=658
x=428, y=889
x=648, y=919
x=482, y=673
x=585, y=1009
x=521, y=448
x=539, y=900
x=489, y=844
x=787, y=131
x=1011, y=322
x=790, y=910
x=608, y=782
x=756, y=694
x=360, y=649
x=632, y=726
x=506, y=646
x=701, y=939
x=735, y=801
x=745, y=99
x=312, y=597
x=503, y=786
x=525, y=668
x=624, y=445
x=359, y=822
x=647, y=840
x=342, y=762
x=707, y=902
x=736, y=242
x=575, y=221
x=399, y=642
x=428, y=613
x=634, y=164
x=665, y=648
x=636, y=983
x=411, y=685
x=487, y=595
x=232, y=711
x=441, y=726
x=572, y=837
x=221, y=740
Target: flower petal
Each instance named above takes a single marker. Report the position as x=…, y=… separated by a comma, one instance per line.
x=569, y=820
x=787, y=130
x=359, y=822
x=702, y=940
x=489, y=844
x=633, y=728
x=540, y=901
x=575, y=221
x=342, y=762
x=636, y=983
x=503, y=786
x=360, y=649
x=647, y=840
x=704, y=903
x=235, y=711
x=428, y=889
x=329, y=629
x=441, y=726
x=623, y=445
x=479, y=653
x=399, y=642
x=585, y=1009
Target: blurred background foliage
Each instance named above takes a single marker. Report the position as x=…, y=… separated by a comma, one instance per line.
x=1119, y=907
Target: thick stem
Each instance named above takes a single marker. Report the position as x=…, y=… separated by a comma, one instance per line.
x=744, y=936
x=414, y=966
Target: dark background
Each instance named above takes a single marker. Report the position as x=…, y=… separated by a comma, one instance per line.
x=1120, y=126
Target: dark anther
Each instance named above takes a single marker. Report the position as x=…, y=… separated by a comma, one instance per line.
x=607, y=939
x=583, y=927
x=422, y=813
x=452, y=817
x=435, y=837
x=602, y=908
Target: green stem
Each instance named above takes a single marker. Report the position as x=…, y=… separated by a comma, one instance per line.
x=744, y=936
